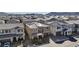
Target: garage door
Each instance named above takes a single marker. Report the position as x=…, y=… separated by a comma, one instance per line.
x=58, y=33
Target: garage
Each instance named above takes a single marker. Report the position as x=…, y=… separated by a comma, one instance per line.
x=58, y=34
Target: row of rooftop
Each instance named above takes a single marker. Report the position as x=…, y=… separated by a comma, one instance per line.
x=16, y=19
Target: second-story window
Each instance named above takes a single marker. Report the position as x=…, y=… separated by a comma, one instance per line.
x=9, y=31
x=2, y=31
x=58, y=27
x=34, y=30
x=20, y=30
x=47, y=28
x=6, y=31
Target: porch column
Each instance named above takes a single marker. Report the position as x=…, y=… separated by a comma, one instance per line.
x=17, y=38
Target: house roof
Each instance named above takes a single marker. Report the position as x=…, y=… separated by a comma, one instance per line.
x=10, y=26
x=36, y=25
x=1, y=21
x=38, y=19
x=10, y=35
x=40, y=24
x=31, y=25
x=56, y=22
x=29, y=20
x=73, y=22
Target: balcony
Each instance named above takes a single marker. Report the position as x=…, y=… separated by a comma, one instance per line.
x=10, y=35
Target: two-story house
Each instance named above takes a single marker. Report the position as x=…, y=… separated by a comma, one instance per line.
x=59, y=28
x=38, y=30
x=11, y=32
x=74, y=26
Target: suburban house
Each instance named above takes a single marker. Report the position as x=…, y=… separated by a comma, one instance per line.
x=74, y=26
x=59, y=28
x=11, y=32
x=40, y=20
x=37, y=30
x=28, y=20
x=2, y=21
x=12, y=21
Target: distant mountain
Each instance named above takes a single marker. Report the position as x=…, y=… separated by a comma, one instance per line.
x=3, y=14
x=34, y=14
x=38, y=14
x=19, y=14
x=62, y=13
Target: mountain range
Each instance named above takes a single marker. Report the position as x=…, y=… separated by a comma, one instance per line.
x=38, y=14
x=62, y=13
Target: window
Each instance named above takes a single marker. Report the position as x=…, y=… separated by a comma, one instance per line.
x=58, y=27
x=47, y=28
x=34, y=33
x=34, y=30
x=40, y=30
x=2, y=31
x=9, y=31
x=6, y=31
x=20, y=30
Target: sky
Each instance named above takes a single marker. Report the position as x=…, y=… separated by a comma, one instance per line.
x=39, y=5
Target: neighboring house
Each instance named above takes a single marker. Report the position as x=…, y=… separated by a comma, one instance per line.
x=35, y=29
x=59, y=28
x=12, y=21
x=40, y=20
x=2, y=21
x=43, y=28
x=11, y=32
x=51, y=19
x=28, y=20
x=74, y=25
x=32, y=30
